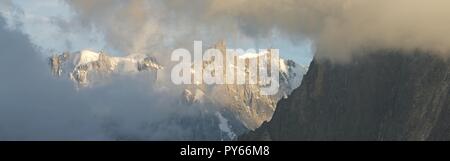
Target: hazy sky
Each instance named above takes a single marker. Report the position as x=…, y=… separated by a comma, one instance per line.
x=55, y=26
x=328, y=28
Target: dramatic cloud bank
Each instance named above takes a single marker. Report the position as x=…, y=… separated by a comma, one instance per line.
x=338, y=27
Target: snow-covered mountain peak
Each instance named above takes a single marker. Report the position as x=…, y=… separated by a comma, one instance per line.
x=86, y=65
x=244, y=102
x=226, y=110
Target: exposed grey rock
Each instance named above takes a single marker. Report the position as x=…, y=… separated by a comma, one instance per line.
x=385, y=95
x=86, y=66
x=221, y=112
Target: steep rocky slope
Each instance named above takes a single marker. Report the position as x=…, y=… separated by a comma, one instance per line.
x=384, y=95
x=209, y=112
x=245, y=102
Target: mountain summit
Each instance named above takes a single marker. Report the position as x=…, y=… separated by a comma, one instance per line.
x=209, y=112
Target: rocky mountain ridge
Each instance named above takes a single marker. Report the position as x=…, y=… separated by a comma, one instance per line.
x=222, y=112
x=381, y=95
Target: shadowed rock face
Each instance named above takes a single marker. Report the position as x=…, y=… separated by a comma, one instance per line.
x=387, y=95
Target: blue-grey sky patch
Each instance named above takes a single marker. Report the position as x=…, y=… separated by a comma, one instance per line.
x=56, y=26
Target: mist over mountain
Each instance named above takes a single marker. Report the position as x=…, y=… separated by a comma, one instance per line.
x=380, y=95
x=97, y=70
x=36, y=106
x=217, y=112
x=94, y=96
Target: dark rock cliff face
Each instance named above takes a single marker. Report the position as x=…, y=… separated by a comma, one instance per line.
x=386, y=95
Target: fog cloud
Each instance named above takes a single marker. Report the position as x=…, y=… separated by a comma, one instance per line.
x=36, y=106
x=338, y=27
